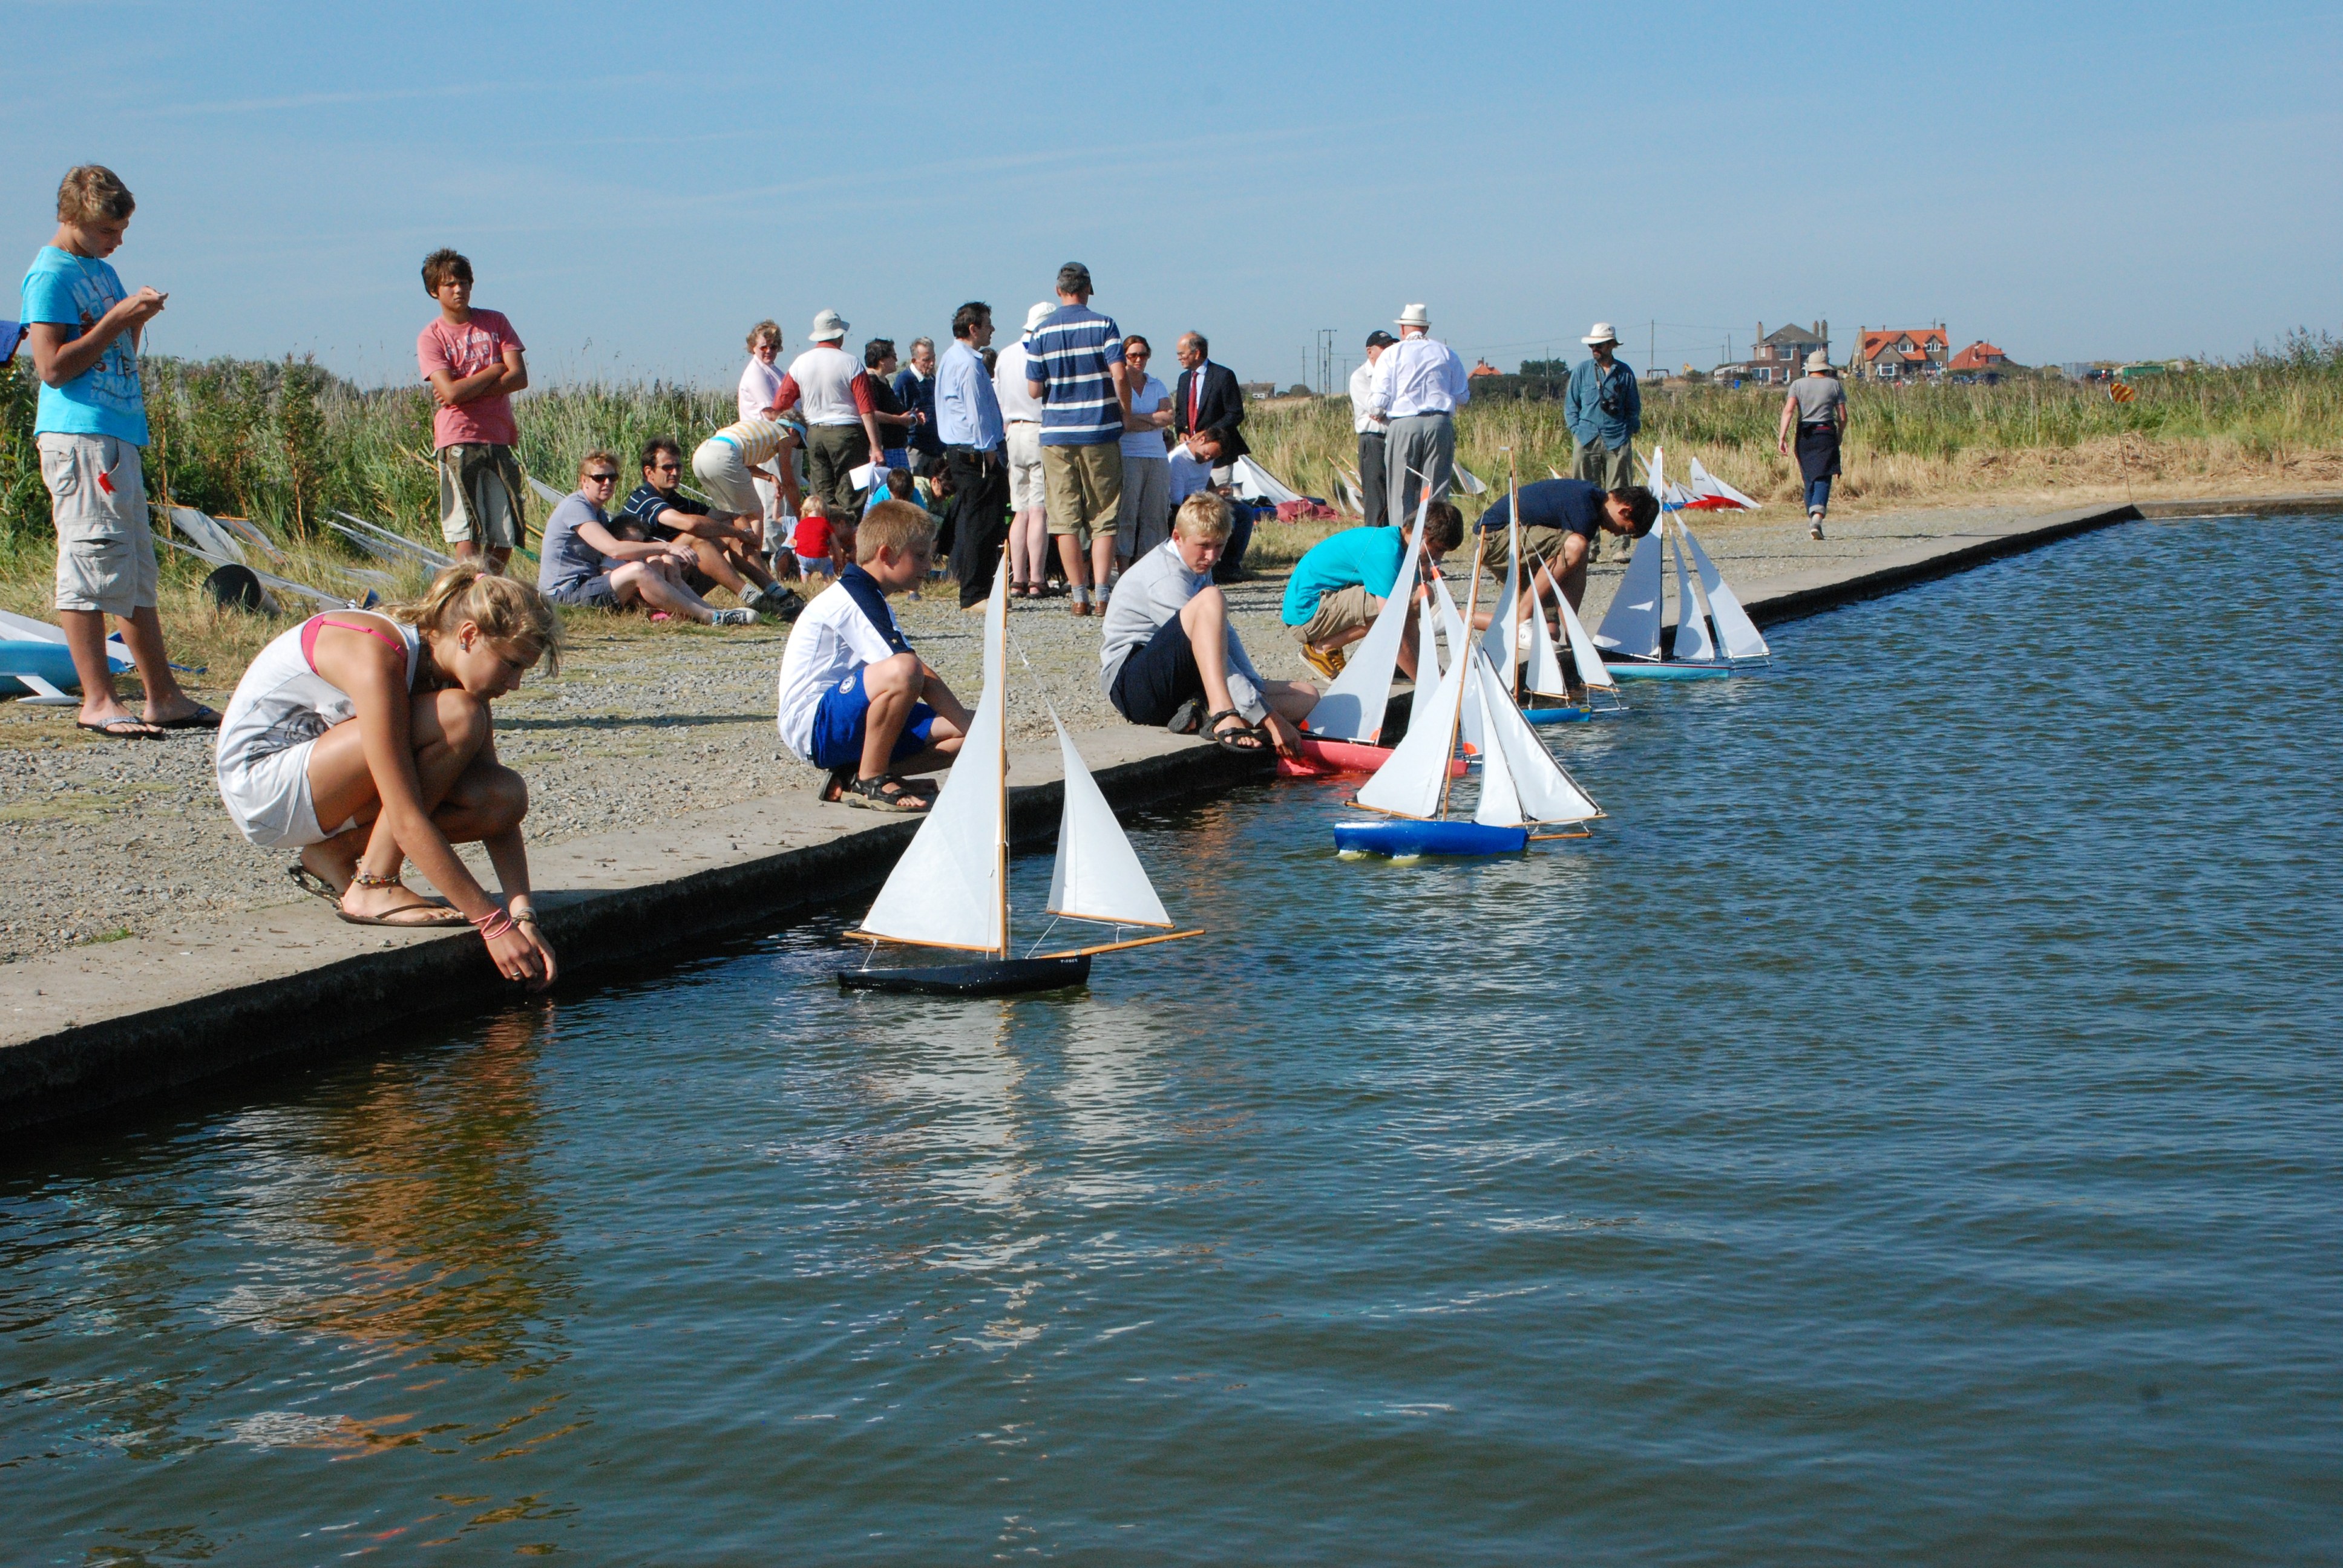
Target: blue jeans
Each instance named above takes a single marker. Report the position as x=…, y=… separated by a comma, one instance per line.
x=1818, y=494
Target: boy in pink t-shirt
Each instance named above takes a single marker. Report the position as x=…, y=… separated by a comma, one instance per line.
x=472, y=360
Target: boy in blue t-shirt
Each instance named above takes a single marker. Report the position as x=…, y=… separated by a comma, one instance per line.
x=91, y=425
x=1339, y=586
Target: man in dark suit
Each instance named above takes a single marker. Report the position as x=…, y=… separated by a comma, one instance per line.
x=1208, y=400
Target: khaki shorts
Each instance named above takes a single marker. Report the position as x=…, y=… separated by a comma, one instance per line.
x=1344, y=610
x=1025, y=489
x=730, y=482
x=479, y=496
x=1541, y=544
x=1084, y=486
x=106, y=552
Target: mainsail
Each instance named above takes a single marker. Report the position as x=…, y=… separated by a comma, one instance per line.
x=1098, y=876
x=1413, y=778
x=1543, y=790
x=1632, y=625
x=1742, y=638
x=950, y=888
x=1501, y=803
x=1592, y=672
x=1692, y=627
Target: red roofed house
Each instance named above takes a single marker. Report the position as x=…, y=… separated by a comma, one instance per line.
x=1481, y=367
x=1978, y=357
x=1900, y=353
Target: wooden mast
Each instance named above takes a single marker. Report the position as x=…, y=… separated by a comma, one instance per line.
x=1470, y=648
x=1514, y=574
x=1002, y=761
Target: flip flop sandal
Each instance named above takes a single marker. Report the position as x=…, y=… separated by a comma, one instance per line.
x=872, y=794
x=1186, y=719
x=441, y=915
x=833, y=789
x=202, y=718
x=145, y=732
x=1234, y=740
x=309, y=882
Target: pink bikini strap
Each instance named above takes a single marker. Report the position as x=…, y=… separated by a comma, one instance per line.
x=316, y=623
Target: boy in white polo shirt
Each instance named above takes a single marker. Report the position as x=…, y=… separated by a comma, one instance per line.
x=854, y=698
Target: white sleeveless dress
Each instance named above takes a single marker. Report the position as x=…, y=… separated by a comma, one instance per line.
x=280, y=708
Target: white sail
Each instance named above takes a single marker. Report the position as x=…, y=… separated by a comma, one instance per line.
x=1632, y=625
x=1707, y=485
x=1546, y=676
x=1502, y=640
x=1692, y=627
x=1546, y=792
x=1501, y=803
x=1466, y=480
x=1352, y=709
x=1256, y=483
x=1451, y=625
x=1592, y=672
x=1742, y=638
x=947, y=890
x=1410, y=781
x=1427, y=665
x=1098, y=876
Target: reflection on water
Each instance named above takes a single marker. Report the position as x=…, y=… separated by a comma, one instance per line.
x=1901, y=1134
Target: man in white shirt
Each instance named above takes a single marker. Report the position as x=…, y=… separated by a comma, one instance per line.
x=1419, y=384
x=841, y=419
x=1028, y=529
x=1372, y=431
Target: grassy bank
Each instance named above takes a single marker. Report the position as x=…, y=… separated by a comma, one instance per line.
x=286, y=444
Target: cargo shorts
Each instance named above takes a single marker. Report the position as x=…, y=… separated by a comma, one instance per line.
x=98, y=496
x=479, y=496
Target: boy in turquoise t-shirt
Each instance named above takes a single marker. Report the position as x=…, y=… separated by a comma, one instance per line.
x=90, y=426
x=1339, y=587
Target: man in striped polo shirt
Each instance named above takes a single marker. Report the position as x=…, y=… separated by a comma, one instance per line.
x=1073, y=365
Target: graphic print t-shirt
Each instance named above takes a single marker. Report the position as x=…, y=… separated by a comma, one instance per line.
x=467, y=350
x=75, y=292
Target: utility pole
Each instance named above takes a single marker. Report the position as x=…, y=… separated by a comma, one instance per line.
x=1325, y=361
x=1651, y=351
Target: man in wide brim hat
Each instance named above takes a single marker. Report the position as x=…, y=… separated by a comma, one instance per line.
x=1419, y=384
x=1604, y=408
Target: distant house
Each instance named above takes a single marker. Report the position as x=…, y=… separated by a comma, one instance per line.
x=1900, y=353
x=1780, y=355
x=1255, y=391
x=1978, y=358
x=1482, y=367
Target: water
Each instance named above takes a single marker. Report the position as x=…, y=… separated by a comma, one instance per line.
x=1906, y=1133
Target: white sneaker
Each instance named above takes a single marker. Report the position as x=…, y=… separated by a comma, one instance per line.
x=1815, y=527
x=735, y=617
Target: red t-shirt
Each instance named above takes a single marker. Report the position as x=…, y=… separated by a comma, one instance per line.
x=467, y=350
x=812, y=537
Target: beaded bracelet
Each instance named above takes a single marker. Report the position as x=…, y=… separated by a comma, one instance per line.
x=493, y=924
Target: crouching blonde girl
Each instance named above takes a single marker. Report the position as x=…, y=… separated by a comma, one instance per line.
x=365, y=739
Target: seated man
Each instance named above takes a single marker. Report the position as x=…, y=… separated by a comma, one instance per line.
x=855, y=698
x=724, y=547
x=1169, y=644
x=1561, y=519
x=1339, y=586
x=586, y=563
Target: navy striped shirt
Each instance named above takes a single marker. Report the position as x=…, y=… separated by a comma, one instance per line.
x=1069, y=354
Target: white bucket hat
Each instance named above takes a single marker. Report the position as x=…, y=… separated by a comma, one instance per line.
x=1041, y=312
x=829, y=327
x=1602, y=333
x=1414, y=316
x=1818, y=360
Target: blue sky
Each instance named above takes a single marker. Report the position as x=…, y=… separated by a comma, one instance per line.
x=635, y=186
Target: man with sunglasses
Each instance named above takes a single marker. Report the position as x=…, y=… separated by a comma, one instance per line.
x=586, y=563
x=722, y=545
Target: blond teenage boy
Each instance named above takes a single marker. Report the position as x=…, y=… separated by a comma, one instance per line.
x=1169, y=647
x=473, y=361
x=90, y=426
x=854, y=698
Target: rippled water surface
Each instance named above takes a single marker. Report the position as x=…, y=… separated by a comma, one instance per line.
x=1907, y=1131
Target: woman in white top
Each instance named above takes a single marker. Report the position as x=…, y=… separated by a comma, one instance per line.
x=378, y=724
x=1142, y=519
x=760, y=383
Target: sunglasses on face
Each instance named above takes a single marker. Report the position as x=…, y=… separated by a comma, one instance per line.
x=665, y=468
x=601, y=479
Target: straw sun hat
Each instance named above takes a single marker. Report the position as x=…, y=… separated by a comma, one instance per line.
x=1601, y=333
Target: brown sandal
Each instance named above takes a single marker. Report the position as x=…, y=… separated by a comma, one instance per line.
x=885, y=793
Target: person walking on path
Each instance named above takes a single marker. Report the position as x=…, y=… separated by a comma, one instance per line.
x=1419, y=384
x=474, y=362
x=842, y=421
x=915, y=389
x=1143, y=519
x=967, y=418
x=1816, y=405
x=1604, y=409
x=90, y=426
x=1373, y=432
x=1021, y=411
x=1073, y=364
x=776, y=482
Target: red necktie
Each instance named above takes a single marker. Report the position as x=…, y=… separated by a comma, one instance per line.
x=1195, y=394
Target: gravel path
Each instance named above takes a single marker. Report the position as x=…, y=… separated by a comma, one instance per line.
x=643, y=724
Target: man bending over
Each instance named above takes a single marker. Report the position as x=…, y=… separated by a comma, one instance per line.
x=1561, y=519
x=1168, y=646
x=1339, y=587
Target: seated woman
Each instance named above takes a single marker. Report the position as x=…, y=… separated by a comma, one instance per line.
x=587, y=563
x=377, y=724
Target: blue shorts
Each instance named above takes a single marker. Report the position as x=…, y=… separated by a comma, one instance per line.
x=837, y=726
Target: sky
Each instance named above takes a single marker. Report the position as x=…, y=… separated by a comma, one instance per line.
x=637, y=186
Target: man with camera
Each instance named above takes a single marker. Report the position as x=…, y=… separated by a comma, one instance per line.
x=1603, y=411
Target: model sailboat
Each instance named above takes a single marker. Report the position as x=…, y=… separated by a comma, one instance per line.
x=1519, y=628
x=1521, y=786
x=1344, y=731
x=950, y=889
x=1629, y=637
